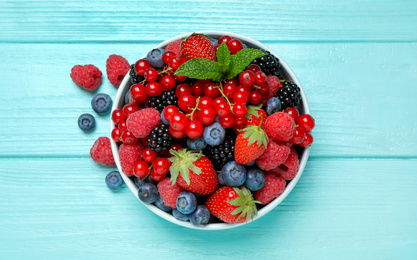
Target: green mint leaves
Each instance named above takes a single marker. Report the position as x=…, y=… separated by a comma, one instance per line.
x=227, y=66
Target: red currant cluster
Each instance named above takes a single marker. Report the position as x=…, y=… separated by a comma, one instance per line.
x=304, y=124
x=119, y=117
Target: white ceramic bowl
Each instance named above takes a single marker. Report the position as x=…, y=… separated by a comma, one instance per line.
x=303, y=107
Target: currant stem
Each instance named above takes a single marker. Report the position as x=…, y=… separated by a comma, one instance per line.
x=220, y=88
x=194, y=109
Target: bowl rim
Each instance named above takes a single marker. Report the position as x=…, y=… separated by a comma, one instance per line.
x=212, y=226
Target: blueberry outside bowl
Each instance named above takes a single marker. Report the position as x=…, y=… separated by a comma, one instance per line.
x=303, y=108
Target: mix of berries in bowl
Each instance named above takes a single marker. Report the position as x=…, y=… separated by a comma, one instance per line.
x=208, y=130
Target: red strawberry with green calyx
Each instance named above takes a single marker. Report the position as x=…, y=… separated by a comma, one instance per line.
x=198, y=46
x=193, y=171
x=232, y=205
x=251, y=143
x=255, y=114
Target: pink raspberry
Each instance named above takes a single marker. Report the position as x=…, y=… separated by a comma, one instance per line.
x=116, y=67
x=141, y=123
x=274, y=156
x=274, y=186
x=289, y=169
x=129, y=155
x=175, y=47
x=87, y=76
x=280, y=127
x=101, y=152
x=274, y=86
x=169, y=192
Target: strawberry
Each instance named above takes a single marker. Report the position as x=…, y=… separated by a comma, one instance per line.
x=255, y=115
x=193, y=172
x=227, y=202
x=251, y=143
x=198, y=46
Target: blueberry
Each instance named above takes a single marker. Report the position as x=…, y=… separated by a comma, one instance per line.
x=273, y=105
x=127, y=97
x=148, y=193
x=114, y=180
x=161, y=205
x=234, y=174
x=252, y=163
x=214, y=134
x=101, y=103
x=186, y=202
x=155, y=58
x=196, y=144
x=221, y=179
x=255, y=179
x=214, y=41
x=244, y=46
x=178, y=215
x=200, y=216
x=163, y=118
x=86, y=122
x=139, y=183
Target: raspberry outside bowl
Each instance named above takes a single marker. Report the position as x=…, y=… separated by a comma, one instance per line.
x=303, y=107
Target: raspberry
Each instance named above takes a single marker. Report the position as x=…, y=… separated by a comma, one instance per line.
x=289, y=169
x=175, y=47
x=169, y=192
x=274, y=156
x=129, y=155
x=141, y=123
x=274, y=186
x=117, y=68
x=280, y=127
x=87, y=76
x=101, y=152
x=274, y=84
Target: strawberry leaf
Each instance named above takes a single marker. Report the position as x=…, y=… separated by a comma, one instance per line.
x=253, y=110
x=200, y=68
x=241, y=60
x=223, y=57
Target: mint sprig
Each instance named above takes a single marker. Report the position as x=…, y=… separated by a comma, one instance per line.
x=227, y=66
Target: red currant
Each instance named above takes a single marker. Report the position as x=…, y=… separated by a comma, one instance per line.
x=154, y=89
x=177, y=61
x=298, y=135
x=138, y=92
x=178, y=122
x=225, y=38
x=169, y=111
x=186, y=102
x=194, y=129
x=205, y=102
x=161, y=166
x=222, y=109
x=240, y=121
x=234, y=46
x=122, y=126
x=180, y=78
x=182, y=89
x=176, y=134
x=141, y=169
x=293, y=112
x=306, y=121
x=211, y=90
x=260, y=78
x=227, y=121
x=247, y=78
x=254, y=68
x=129, y=138
x=175, y=146
x=240, y=109
x=156, y=177
x=198, y=87
x=233, y=81
x=229, y=90
x=240, y=97
x=265, y=88
x=168, y=82
x=117, y=116
x=130, y=109
x=206, y=115
x=243, y=89
x=167, y=56
x=116, y=134
x=151, y=74
x=255, y=97
x=148, y=155
x=308, y=140
x=141, y=66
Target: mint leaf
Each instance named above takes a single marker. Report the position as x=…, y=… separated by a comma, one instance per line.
x=200, y=68
x=241, y=60
x=223, y=57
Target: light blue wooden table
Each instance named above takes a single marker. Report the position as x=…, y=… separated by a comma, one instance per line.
x=357, y=198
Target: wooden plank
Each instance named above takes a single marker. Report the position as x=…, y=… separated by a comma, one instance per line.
x=362, y=96
x=340, y=209
x=144, y=21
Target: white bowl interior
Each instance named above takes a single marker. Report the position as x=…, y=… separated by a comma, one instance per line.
x=303, y=108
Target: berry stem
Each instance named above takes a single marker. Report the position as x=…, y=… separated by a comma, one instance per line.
x=194, y=109
x=220, y=88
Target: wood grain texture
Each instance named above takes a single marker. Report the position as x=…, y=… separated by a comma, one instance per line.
x=355, y=91
x=142, y=21
x=340, y=209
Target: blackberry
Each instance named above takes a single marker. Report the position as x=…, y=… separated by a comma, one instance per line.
x=134, y=78
x=163, y=100
x=289, y=94
x=269, y=64
x=221, y=154
x=160, y=139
